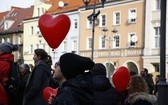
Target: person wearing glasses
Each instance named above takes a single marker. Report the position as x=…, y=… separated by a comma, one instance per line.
x=75, y=84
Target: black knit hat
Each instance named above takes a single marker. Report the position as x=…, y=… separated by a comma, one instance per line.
x=72, y=65
x=98, y=69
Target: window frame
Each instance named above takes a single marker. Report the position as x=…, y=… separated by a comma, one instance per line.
x=130, y=14
x=102, y=42
x=103, y=21
x=157, y=37
x=130, y=43
x=115, y=18
x=116, y=41
x=89, y=43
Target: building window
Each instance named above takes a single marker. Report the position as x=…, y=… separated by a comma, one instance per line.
x=3, y=40
x=89, y=43
x=31, y=30
x=103, y=21
x=6, y=25
x=157, y=4
x=156, y=67
x=31, y=48
x=116, y=18
x=65, y=46
x=132, y=16
x=131, y=42
x=43, y=10
x=75, y=23
x=38, y=11
x=116, y=42
x=43, y=45
x=157, y=37
x=8, y=39
x=102, y=42
x=74, y=45
x=19, y=40
x=13, y=14
x=89, y=23
x=37, y=46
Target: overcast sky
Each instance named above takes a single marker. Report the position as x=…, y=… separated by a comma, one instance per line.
x=5, y=5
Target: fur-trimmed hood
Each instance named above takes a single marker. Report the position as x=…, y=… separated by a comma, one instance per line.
x=134, y=97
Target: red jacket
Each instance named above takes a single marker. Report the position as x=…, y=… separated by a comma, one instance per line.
x=4, y=72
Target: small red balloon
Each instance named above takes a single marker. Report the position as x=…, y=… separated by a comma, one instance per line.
x=121, y=79
x=48, y=91
x=54, y=29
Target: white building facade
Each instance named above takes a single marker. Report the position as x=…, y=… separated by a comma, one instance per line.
x=152, y=37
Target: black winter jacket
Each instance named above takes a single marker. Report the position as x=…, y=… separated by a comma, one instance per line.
x=105, y=94
x=38, y=80
x=76, y=91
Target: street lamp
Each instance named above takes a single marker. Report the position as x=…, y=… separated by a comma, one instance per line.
x=109, y=39
x=92, y=18
x=162, y=85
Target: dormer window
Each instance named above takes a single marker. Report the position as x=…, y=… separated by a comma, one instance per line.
x=13, y=14
x=8, y=24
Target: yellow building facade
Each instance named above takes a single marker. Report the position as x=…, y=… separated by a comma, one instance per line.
x=124, y=41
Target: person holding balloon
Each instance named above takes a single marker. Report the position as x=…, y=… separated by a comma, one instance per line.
x=75, y=84
x=138, y=92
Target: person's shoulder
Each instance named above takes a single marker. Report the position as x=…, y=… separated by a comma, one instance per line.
x=7, y=57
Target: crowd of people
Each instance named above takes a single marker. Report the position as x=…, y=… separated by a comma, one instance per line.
x=80, y=81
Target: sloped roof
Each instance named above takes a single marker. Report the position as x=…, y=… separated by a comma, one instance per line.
x=70, y=5
x=2, y=14
x=17, y=15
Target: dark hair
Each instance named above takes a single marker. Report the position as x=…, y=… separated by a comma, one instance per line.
x=146, y=70
x=98, y=69
x=49, y=60
x=43, y=55
x=137, y=84
x=158, y=76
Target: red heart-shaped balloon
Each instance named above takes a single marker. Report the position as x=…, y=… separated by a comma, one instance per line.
x=54, y=29
x=121, y=79
x=48, y=91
